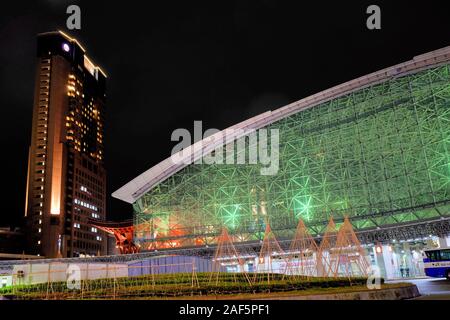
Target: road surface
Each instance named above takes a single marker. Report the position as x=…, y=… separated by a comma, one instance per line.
x=431, y=288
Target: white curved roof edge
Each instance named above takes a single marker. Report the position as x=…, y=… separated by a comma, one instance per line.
x=137, y=187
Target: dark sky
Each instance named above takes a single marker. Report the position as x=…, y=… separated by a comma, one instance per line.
x=170, y=63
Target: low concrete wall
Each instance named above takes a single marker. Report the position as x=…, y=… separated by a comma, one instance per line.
x=33, y=273
x=406, y=292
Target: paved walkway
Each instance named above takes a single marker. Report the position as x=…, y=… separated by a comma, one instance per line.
x=430, y=288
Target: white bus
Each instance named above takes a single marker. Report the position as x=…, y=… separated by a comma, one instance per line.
x=437, y=263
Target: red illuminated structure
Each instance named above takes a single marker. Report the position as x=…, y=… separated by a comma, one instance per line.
x=122, y=231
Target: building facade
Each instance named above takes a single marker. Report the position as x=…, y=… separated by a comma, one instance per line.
x=376, y=149
x=66, y=182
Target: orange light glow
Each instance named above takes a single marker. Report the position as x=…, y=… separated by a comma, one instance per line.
x=55, y=204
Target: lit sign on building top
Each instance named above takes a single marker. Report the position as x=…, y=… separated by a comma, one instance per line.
x=65, y=47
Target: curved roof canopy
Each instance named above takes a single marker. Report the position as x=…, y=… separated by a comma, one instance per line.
x=137, y=187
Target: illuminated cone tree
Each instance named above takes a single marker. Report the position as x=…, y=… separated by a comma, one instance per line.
x=226, y=254
x=271, y=257
x=302, y=253
x=325, y=262
x=350, y=256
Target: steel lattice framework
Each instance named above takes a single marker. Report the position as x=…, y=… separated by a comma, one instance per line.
x=379, y=154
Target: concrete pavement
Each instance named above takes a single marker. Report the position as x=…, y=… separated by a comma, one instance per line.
x=430, y=288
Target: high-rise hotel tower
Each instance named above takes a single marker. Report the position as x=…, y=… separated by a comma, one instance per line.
x=66, y=182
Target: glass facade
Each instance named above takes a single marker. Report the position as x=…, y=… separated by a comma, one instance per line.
x=379, y=155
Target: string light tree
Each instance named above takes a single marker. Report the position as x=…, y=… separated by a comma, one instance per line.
x=269, y=254
x=350, y=256
x=302, y=257
x=325, y=258
x=226, y=254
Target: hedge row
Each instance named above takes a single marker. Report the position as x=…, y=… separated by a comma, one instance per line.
x=137, y=289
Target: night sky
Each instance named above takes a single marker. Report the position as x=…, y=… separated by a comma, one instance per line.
x=170, y=63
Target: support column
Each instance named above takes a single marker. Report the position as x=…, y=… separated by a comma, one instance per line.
x=443, y=243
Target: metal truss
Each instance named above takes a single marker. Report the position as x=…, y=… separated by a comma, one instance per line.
x=417, y=231
x=379, y=155
x=409, y=232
